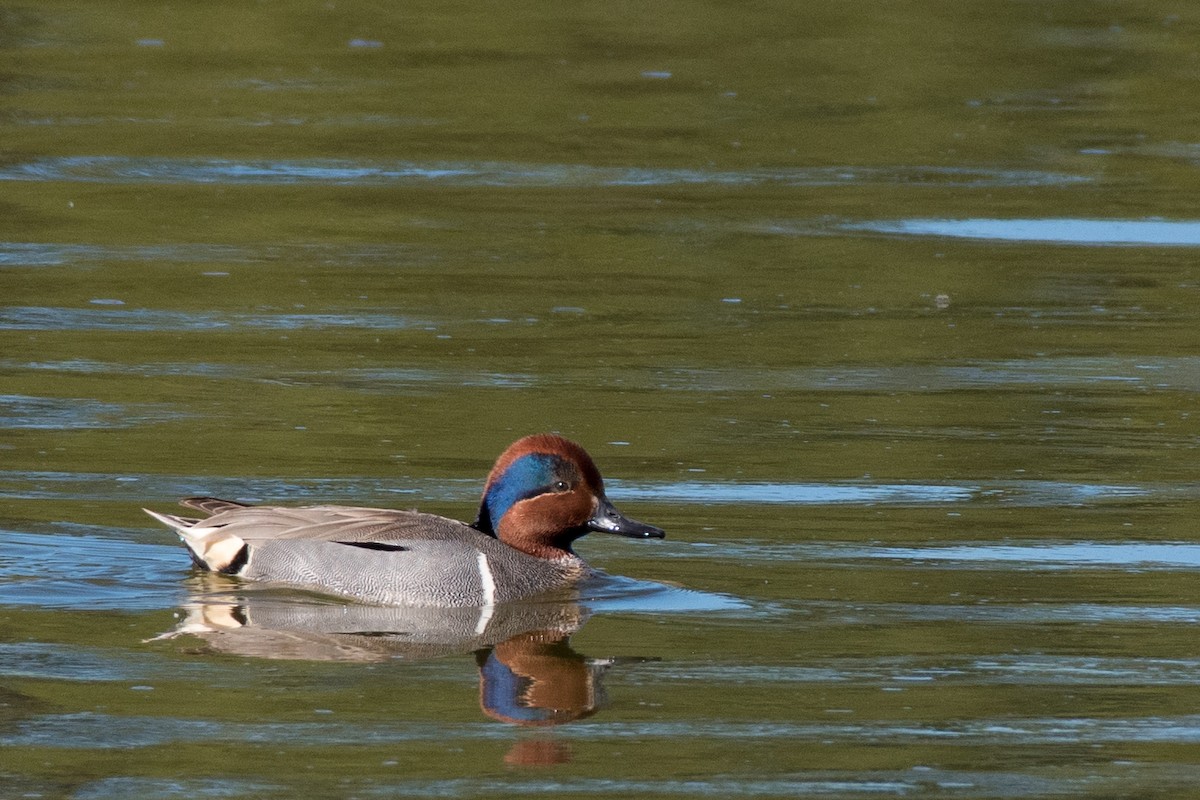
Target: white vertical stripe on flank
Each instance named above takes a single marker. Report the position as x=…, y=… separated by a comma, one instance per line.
x=487, y=582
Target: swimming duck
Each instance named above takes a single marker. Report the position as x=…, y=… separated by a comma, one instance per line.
x=543, y=493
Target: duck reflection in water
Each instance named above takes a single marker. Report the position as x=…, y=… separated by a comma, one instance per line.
x=529, y=674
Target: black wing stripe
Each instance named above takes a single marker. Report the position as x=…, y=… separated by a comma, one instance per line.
x=384, y=546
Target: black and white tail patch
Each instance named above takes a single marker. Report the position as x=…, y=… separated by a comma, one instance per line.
x=239, y=561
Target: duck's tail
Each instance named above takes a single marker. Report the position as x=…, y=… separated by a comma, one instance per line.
x=211, y=547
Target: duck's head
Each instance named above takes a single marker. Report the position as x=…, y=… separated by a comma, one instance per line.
x=544, y=493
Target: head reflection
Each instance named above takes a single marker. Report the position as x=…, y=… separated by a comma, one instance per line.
x=536, y=679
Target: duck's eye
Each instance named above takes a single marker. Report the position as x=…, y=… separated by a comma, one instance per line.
x=561, y=486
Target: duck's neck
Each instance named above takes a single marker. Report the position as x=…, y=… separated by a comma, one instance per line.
x=539, y=544
x=483, y=521
x=546, y=551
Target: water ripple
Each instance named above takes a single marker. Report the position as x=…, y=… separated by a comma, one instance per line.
x=142, y=487
x=60, y=413
x=925, y=781
x=1021, y=614
x=120, y=169
x=52, y=254
x=48, y=661
x=794, y=493
x=1151, y=371
x=184, y=788
x=1038, y=670
x=42, y=318
x=1107, y=373
x=363, y=380
x=105, y=731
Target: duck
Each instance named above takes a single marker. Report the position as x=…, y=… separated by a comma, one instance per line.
x=543, y=493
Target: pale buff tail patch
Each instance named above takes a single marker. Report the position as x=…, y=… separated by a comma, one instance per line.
x=212, y=546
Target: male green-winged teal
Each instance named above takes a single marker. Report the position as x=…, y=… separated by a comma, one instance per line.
x=543, y=493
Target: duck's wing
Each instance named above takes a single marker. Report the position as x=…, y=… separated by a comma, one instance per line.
x=220, y=542
x=332, y=523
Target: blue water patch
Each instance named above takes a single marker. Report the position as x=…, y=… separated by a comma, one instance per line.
x=121, y=169
x=1052, y=555
x=84, y=366
x=1072, y=231
x=364, y=380
x=1040, y=555
x=88, y=571
x=615, y=593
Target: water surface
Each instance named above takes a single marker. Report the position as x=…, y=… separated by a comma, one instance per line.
x=889, y=314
